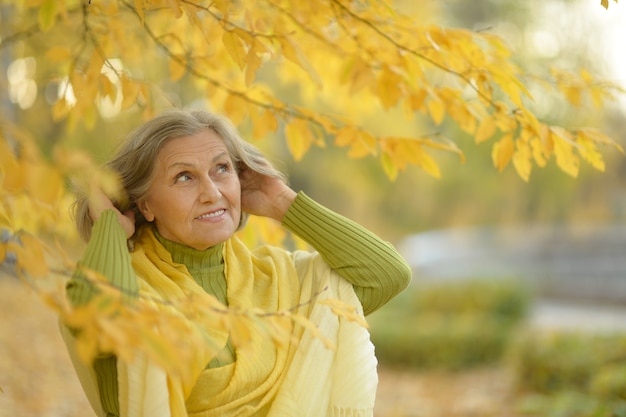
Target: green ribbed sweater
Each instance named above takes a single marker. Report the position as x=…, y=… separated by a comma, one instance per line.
x=372, y=266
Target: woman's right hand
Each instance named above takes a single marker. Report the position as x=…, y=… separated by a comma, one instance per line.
x=99, y=202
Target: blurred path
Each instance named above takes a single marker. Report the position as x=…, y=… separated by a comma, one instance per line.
x=37, y=378
x=479, y=393
x=484, y=392
x=570, y=316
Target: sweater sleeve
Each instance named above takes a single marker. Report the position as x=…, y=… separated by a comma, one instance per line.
x=107, y=254
x=375, y=269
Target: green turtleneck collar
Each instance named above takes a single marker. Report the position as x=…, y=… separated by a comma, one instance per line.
x=193, y=259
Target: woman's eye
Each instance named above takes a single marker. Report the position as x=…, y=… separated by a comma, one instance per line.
x=222, y=168
x=183, y=177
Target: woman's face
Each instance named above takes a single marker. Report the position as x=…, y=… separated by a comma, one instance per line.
x=195, y=196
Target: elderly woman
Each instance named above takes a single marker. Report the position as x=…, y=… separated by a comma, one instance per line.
x=191, y=182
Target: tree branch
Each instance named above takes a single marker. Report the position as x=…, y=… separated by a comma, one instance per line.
x=415, y=53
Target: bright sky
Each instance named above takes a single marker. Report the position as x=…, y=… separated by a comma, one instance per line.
x=611, y=35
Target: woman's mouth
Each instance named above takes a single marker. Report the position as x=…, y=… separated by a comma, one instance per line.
x=211, y=215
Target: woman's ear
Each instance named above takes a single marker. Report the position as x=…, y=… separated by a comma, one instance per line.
x=144, y=208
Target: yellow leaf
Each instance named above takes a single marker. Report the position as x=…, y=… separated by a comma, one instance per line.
x=346, y=136
x=299, y=138
x=598, y=137
x=294, y=54
x=345, y=310
x=564, y=151
x=314, y=330
x=107, y=88
x=235, y=48
x=236, y=107
x=361, y=143
x=110, y=183
x=538, y=152
x=504, y=121
x=89, y=117
x=417, y=100
x=527, y=120
x=437, y=109
x=590, y=153
x=222, y=5
x=87, y=345
x=263, y=123
x=458, y=111
x=502, y=151
x=60, y=110
x=573, y=94
x=130, y=92
x=192, y=15
x=358, y=74
x=365, y=144
x=411, y=151
x=597, y=96
x=448, y=146
x=177, y=67
x=12, y=171
x=484, y=88
x=280, y=329
x=388, y=88
x=240, y=330
x=5, y=218
x=269, y=231
x=139, y=10
x=253, y=63
x=398, y=154
x=521, y=160
x=428, y=164
x=45, y=183
x=30, y=255
x=157, y=347
x=511, y=86
x=486, y=129
x=175, y=8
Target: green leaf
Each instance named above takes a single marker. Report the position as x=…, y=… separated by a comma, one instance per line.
x=47, y=15
x=389, y=167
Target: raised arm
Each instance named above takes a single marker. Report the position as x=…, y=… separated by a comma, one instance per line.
x=106, y=252
x=375, y=269
x=372, y=266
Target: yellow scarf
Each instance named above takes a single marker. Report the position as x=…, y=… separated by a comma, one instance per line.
x=298, y=378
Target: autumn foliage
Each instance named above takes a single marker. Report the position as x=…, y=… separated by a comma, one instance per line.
x=108, y=57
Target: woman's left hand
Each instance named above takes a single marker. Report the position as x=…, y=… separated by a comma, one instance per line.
x=265, y=196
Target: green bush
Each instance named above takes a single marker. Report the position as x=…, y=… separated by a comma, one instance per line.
x=609, y=382
x=451, y=326
x=437, y=341
x=504, y=299
x=548, y=363
x=570, y=404
x=555, y=362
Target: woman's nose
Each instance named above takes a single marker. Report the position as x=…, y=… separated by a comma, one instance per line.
x=209, y=192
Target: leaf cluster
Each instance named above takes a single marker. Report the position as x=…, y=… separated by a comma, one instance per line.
x=362, y=53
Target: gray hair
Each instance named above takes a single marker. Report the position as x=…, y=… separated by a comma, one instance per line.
x=135, y=160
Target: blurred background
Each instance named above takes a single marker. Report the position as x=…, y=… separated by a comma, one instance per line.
x=518, y=305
